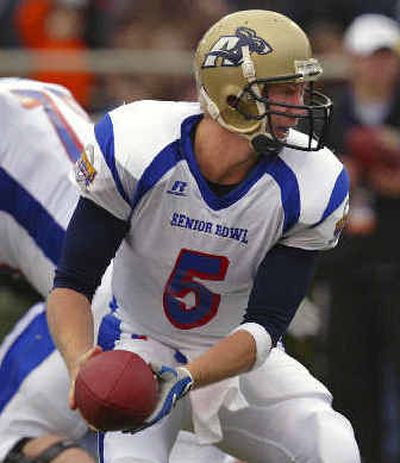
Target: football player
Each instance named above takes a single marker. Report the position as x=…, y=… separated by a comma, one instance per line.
x=40, y=123
x=43, y=128
x=215, y=212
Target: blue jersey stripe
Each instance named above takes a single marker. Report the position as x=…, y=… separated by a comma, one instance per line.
x=213, y=200
x=109, y=332
x=105, y=138
x=161, y=164
x=71, y=143
x=339, y=193
x=290, y=193
x=28, y=351
x=32, y=216
x=100, y=446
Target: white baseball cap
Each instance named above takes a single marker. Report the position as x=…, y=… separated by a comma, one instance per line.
x=369, y=33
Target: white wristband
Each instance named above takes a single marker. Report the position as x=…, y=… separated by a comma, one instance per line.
x=261, y=337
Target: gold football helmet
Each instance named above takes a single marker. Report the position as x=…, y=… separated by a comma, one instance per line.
x=239, y=58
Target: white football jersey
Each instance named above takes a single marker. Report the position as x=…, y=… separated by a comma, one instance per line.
x=42, y=132
x=184, y=272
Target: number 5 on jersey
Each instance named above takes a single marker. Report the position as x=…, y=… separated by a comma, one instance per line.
x=190, y=265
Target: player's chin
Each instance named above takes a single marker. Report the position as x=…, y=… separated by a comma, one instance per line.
x=281, y=133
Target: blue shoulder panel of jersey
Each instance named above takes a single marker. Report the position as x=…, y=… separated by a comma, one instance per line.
x=105, y=138
x=338, y=195
x=274, y=166
x=290, y=193
x=32, y=216
x=161, y=164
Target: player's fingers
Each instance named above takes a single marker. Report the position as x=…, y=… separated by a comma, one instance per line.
x=71, y=396
x=163, y=372
x=96, y=350
x=74, y=368
x=156, y=367
x=92, y=428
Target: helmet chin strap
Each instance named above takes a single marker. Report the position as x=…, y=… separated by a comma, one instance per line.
x=211, y=108
x=249, y=73
x=260, y=140
x=265, y=145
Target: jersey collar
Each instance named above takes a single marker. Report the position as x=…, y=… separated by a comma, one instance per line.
x=214, y=201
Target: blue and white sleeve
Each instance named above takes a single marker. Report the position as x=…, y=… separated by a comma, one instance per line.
x=323, y=218
x=101, y=171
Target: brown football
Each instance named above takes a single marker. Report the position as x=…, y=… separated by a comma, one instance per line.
x=115, y=390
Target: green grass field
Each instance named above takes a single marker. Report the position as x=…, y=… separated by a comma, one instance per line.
x=16, y=297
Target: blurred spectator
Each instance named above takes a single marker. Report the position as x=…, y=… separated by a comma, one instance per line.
x=305, y=13
x=155, y=18
x=8, y=35
x=326, y=38
x=364, y=341
x=158, y=25
x=331, y=12
x=342, y=12
x=98, y=22
x=57, y=25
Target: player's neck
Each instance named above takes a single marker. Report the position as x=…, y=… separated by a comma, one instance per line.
x=223, y=157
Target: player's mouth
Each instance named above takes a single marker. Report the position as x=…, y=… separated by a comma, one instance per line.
x=281, y=132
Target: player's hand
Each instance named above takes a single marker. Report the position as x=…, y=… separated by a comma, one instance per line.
x=173, y=384
x=96, y=350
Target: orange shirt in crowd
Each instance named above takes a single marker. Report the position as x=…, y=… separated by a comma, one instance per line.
x=45, y=25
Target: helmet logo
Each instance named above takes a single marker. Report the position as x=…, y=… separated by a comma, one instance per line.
x=228, y=50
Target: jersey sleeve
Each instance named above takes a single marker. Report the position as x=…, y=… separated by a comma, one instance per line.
x=322, y=216
x=124, y=143
x=101, y=172
x=281, y=283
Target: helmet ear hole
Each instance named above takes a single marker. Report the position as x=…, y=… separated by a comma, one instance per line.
x=232, y=101
x=264, y=90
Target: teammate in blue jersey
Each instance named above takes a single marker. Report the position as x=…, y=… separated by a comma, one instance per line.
x=36, y=202
x=215, y=212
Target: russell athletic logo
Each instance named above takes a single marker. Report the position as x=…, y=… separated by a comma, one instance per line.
x=228, y=50
x=178, y=188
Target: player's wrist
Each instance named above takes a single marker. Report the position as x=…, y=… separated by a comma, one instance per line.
x=196, y=373
x=185, y=373
x=262, y=341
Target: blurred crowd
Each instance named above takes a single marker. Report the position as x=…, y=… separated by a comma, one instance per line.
x=80, y=25
x=361, y=279
x=363, y=275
